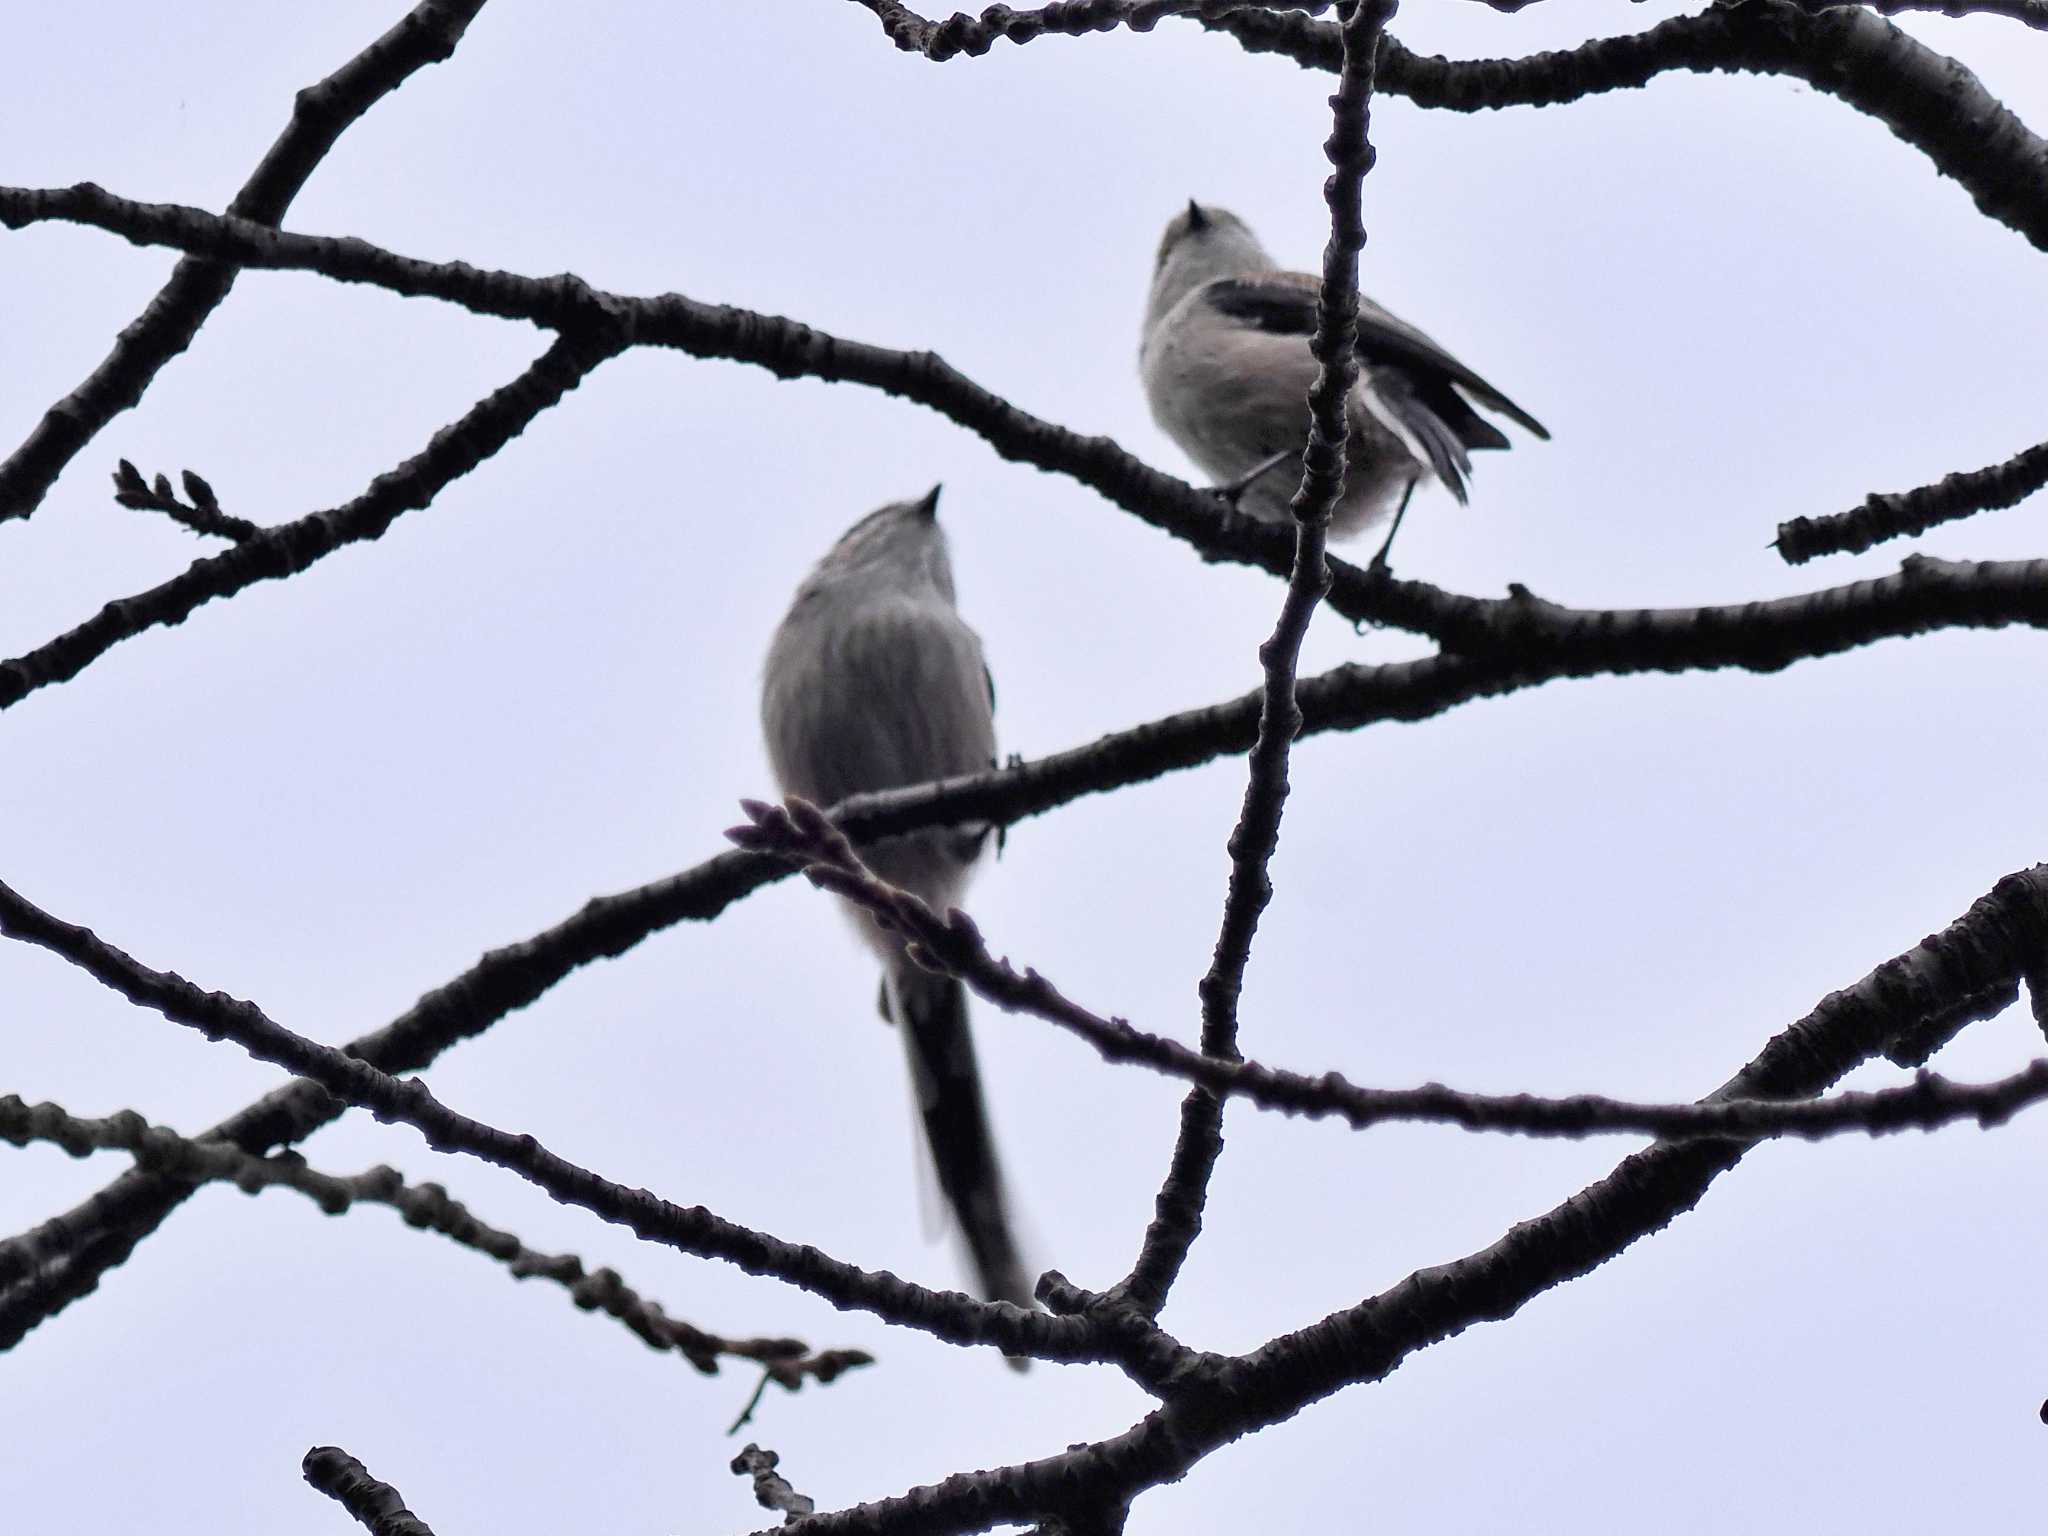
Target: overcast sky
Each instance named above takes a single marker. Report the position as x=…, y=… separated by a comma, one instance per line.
x=1732, y=300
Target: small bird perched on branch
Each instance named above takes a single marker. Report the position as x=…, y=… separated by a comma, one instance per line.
x=1227, y=371
x=873, y=681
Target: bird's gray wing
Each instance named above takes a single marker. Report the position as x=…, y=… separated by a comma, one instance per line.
x=1285, y=302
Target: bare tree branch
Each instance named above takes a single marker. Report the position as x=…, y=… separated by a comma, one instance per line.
x=960, y=33
x=1970, y=969
x=288, y=548
x=2033, y=12
x=1929, y=100
x=1903, y=514
x=63, y=1259
x=946, y=1315
x=377, y=1507
x=801, y=833
x=1539, y=635
x=202, y=516
x=321, y=113
x=1177, y=1209
x=1926, y=594
x=428, y=1207
x=771, y=1489
x=1973, y=964
x=77, y=1247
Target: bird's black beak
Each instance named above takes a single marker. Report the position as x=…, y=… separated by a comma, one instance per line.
x=929, y=503
x=1197, y=219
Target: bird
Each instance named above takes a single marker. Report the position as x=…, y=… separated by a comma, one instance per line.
x=872, y=681
x=1227, y=369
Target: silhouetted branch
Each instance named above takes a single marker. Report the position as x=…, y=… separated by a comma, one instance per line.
x=1902, y=514
x=1562, y=642
x=288, y=548
x=1925, y=594
x=75, y=1248
x=376, y=1506
x=975, y=35
x=1929, y=100
x=1924, y=97
x=202, y=516
x=1980, y=958
x=320, y=115
x=789, y=1362
x=946, y=1315
x=1177, y=1209
x=771, y=1489
x=2033, y=12
x=805, y=836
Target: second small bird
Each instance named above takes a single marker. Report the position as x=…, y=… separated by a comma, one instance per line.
x=874, y=681
x=1227, y=370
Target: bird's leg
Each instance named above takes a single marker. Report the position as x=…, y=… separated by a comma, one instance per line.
x=1379, y=561
x=1231, y=490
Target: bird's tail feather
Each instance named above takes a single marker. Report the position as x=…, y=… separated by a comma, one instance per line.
x=931, y=1010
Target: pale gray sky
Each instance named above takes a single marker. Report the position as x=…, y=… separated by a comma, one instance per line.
x=1733, y=300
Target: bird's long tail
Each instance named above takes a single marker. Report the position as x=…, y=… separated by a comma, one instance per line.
x=931, y=1011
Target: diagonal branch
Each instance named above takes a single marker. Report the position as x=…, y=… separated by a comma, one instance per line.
x=1973, y=966
x=428, y=1207
x=1971, y=969
x=51, y=1266
x=804, y=835
x=65, y=1258
x=321, y=113
x=946, y=1315
x=1904, y=514
x=288, y=548
x=1538, y=635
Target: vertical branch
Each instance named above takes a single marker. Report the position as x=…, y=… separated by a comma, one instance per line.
x=1178, y=1210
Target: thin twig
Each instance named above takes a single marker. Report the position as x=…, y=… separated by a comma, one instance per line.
x=203, y=515
x=321, y=113
x=72, y=1251
x=288, y=548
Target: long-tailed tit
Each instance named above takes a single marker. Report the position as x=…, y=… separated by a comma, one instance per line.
x=1227, y=370
x=873, y=681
